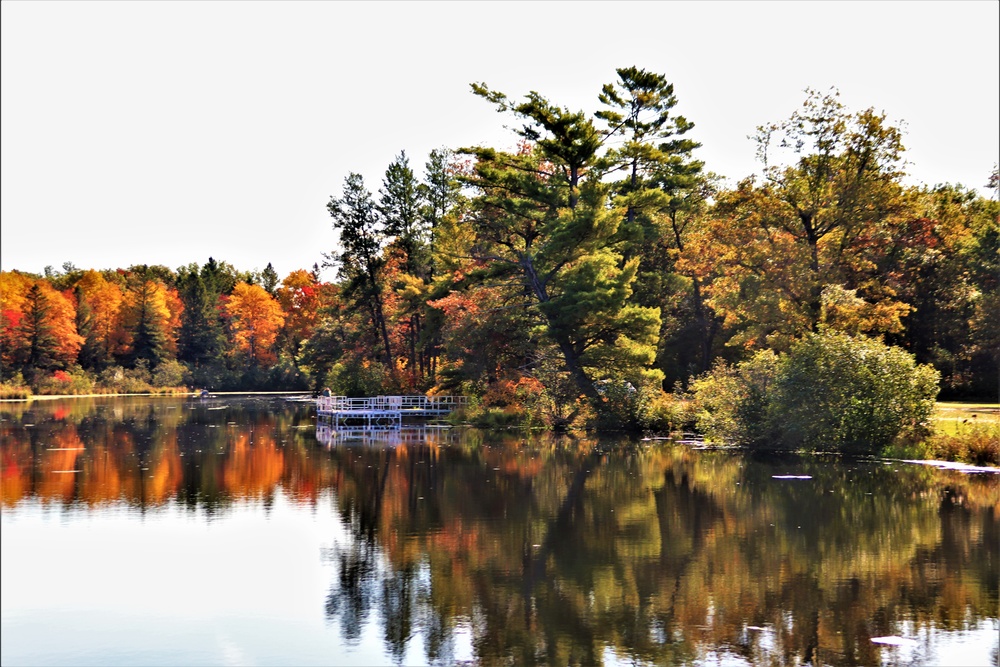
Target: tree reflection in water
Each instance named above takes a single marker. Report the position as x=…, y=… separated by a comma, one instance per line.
x=553, y=551
x=542, y=550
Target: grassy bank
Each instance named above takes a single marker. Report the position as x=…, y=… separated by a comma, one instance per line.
x=951, y=418
x=965, y=432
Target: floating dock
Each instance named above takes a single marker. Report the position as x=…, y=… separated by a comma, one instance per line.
x=383, y=413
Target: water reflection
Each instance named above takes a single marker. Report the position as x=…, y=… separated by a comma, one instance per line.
x=147, y=452
x=549, y=550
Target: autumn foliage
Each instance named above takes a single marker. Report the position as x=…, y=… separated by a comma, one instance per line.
x=593, y=266
x=256, y=319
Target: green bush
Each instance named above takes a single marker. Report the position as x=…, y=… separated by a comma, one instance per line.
x=118, y=380
x=216, y=377
x=170, y=374
x=285, y=376
x=830, y=392
x=498, y=418
x=850, y=394
x=731, y=402
x=358, y=378
x=666, y=413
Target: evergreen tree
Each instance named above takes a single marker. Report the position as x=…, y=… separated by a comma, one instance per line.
x=542, y=216
x=440, y=193
x=45, y=338
x=201, y=337
x=40, y=351
x=146, y=318
x=399, y=206
x=662, y=188
x=361, y=261
x=654, y=156
x=269, y=279
x=93, y=351
x=221, y=277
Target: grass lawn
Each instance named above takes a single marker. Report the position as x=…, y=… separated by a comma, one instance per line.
x=952, y=417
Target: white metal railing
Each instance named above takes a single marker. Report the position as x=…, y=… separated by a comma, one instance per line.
x=411, y=402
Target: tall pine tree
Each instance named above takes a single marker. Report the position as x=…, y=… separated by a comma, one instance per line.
x=542, y=216
x=361, y=261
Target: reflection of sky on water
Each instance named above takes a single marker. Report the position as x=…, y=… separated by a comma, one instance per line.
x=156, y=584
x=246, y=588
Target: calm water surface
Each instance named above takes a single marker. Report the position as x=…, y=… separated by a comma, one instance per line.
x=232, y=531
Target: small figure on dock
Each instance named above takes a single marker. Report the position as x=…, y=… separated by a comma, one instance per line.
x=326, y=392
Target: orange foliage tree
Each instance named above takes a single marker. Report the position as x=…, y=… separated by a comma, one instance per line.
x=44, y=337
x=300, y=298
x=14, y=286
x=99, y=312
x=256, y=319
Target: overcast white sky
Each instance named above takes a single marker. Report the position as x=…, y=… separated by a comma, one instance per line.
x=165, y=133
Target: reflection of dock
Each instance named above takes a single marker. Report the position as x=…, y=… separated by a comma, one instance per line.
x=383, y=413
x=407, y=435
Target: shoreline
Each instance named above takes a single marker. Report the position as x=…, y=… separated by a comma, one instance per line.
x=181, y=394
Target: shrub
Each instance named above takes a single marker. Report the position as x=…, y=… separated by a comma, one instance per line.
x=498, y=418
x=731, y=402
x=215, y=376
x=851, y=394
x=666, y=413
x=15, y=388
x=118, y=380
x=978, y=444
x=65, y=383
x=829, y=392
x=358, y=378
x=170, y=374
x=627, y=402
x=285, y=376
x=510, y=401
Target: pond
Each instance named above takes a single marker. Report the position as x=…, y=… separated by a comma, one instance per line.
x=236, y=531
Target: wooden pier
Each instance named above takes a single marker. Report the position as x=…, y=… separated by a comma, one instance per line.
x=383, y=413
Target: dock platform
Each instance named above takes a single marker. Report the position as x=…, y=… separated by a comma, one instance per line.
x=383, y=413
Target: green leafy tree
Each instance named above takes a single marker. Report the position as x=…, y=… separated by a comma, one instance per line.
x=844, y=181
x=771, y=255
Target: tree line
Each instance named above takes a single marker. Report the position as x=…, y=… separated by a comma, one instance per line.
x=595, y=261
